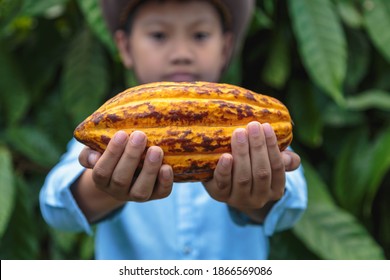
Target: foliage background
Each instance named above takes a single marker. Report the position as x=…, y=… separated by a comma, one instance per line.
x=328, y=60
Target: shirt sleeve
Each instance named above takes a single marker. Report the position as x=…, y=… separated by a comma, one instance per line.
x=287, y=211
x=58, y=206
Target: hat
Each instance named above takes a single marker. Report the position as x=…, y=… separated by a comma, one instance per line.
x=240, y=11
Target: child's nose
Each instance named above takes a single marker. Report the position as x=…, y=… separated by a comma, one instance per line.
x=181, y=53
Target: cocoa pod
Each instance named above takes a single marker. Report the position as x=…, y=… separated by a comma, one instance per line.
x=191, y=121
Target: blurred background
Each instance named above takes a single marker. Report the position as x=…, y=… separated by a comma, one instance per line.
x=327, y=60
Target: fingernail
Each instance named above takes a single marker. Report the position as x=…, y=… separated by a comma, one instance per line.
x=225, y=161
x=137, y=138
x=120, y=137
x=92, y=159
x=241, y=135
x=268, y=131
x=287, y=160
x=166, y=174
x=254, y=129
x=154, y=155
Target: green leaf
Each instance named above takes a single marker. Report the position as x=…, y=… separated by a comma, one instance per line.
x=349, y=13
x=20, y=241
x=285, y=245
x=42, y=60
x=321, y=44
x=380, y=159
x=7, y=188
x=233, y=74
x=308, y=124
x=370, y=99
x=33, y=144
x=359, y=58
x=318, y=192
x=51, y=114
x=85, y=79
x=277, y=68
x=260, y=20
x=8, y=10
x=269, y=6
x=65, y=241
x=329, y=231
x=377, y=23
x=334, y=234
x=381, y=213
x=337, y=116
x=347, y=190
x=34, y=8
x=360, y=170
x=94, y=16
x=130, y=78
x=14, y=94
x=87, y=247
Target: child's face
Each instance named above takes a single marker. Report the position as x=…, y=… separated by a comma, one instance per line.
x=175, y=41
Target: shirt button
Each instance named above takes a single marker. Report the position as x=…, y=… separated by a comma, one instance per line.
x=187, y=250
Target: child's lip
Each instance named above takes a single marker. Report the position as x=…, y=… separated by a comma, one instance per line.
x=181, y=77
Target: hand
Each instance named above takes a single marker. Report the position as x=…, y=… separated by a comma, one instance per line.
x=114, y=171
x=254, y=174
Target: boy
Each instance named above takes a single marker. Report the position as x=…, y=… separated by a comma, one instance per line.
x=149, y=217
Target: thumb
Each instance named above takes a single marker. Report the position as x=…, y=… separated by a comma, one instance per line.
x=88, y=157
x=291, y=160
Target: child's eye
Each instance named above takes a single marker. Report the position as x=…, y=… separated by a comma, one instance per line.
x=201, y=36
x=158, y=35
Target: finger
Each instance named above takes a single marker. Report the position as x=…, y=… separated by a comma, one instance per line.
x=105, y=166
x=261, y=168
x=291, y=160
x=220, y=186
x=88, y=157
x=276, y=161
x=124, y=171
x=164, y=184
x=242, y=174
x=143, y=186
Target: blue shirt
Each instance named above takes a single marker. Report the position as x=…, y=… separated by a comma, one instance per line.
x=188, y=224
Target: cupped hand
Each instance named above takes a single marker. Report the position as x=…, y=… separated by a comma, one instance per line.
x=116, y=170
x=254, y=173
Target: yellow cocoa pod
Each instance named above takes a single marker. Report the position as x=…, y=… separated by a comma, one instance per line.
x=191, y=121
